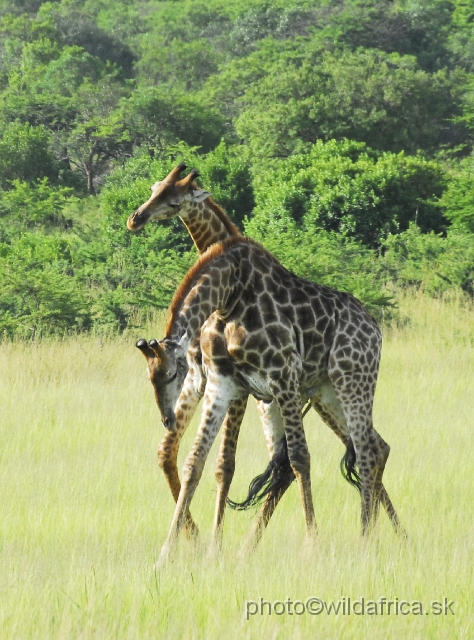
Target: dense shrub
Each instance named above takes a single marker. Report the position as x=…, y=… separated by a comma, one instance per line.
x=347, y=188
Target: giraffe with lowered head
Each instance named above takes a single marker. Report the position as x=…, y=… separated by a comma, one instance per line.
x=282, y=339
x=207, y=224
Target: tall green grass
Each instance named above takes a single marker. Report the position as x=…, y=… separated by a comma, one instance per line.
x=85, y=509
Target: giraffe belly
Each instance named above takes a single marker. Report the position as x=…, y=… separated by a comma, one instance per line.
x=256, y=384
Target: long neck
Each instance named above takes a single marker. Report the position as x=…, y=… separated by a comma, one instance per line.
x=207, y=224
x=190, y=308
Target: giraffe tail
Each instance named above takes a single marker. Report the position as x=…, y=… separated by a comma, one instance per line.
x=276, y=477
x=348, y=466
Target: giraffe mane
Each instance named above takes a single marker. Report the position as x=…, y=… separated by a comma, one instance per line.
x=231, y=228
x=195, y=271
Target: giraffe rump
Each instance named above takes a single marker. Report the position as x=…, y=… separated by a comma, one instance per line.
x=276, y=478
x=348, y=466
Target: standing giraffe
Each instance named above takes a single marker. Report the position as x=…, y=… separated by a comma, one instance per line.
x=208, y=224
x=267, y=332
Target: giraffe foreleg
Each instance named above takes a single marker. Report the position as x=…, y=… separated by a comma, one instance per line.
x=225, y=464
x=217, y=398
x=169, y=447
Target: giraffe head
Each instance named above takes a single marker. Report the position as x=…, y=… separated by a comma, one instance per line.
x=167, y=369
x=168, y=198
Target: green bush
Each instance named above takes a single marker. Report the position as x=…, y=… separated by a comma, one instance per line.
x=25, y=154
x=38, y=291
x=430, y=262
x=347, y=188
x=458, y=200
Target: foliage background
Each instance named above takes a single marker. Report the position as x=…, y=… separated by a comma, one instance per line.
x=339, y=134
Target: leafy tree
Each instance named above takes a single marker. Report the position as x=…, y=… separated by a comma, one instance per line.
x=183, y=64
x=77, y=29
x=383, y=100
x=461, y=37
x=227, y=88
x=26, y=47
x=347, y=188
x=93, y=138
x=429, y=262
x=19, y=7
x=33, y=205
x=225, y=172
x=65, y=74
x=458, y=199
x=266, y=20
x=419, y=29
x=25, y=154
x=38, y=291
x=156, y=118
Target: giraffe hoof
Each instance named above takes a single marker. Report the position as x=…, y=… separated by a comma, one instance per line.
x=402, y=534
x=214, y=551
x=309, y=543
x=247, y=548
x=191, y=530
x=164, y=559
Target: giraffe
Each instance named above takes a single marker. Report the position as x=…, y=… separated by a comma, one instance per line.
x=207, y=224
x=267, y=332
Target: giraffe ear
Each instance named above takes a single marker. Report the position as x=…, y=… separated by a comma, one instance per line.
x=199, y=195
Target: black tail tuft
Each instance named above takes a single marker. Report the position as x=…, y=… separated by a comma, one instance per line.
x=348, y=466
x=276, y=477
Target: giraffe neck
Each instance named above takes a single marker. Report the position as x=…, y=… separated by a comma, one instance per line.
x=214, y=283
x=207, y=224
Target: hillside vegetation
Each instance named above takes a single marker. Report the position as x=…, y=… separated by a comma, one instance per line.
x=339, y=134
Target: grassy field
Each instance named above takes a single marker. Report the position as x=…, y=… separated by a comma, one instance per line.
x=85, y=509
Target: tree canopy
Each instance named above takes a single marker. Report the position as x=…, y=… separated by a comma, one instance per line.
x=339, y=134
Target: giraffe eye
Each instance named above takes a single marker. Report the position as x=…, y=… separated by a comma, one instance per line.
x=174, y=205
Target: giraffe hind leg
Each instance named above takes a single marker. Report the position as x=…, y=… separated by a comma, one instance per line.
x=371, y=456
x=287, y=396
x=380, y=491
x=352, y=475
x=330, y=410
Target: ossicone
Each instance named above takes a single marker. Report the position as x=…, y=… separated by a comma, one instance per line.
x=144, y=347
x=187, y=181
x=174, y=174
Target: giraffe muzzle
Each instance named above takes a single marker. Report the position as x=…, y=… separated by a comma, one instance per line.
x=169, y=423
x=136, y=221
